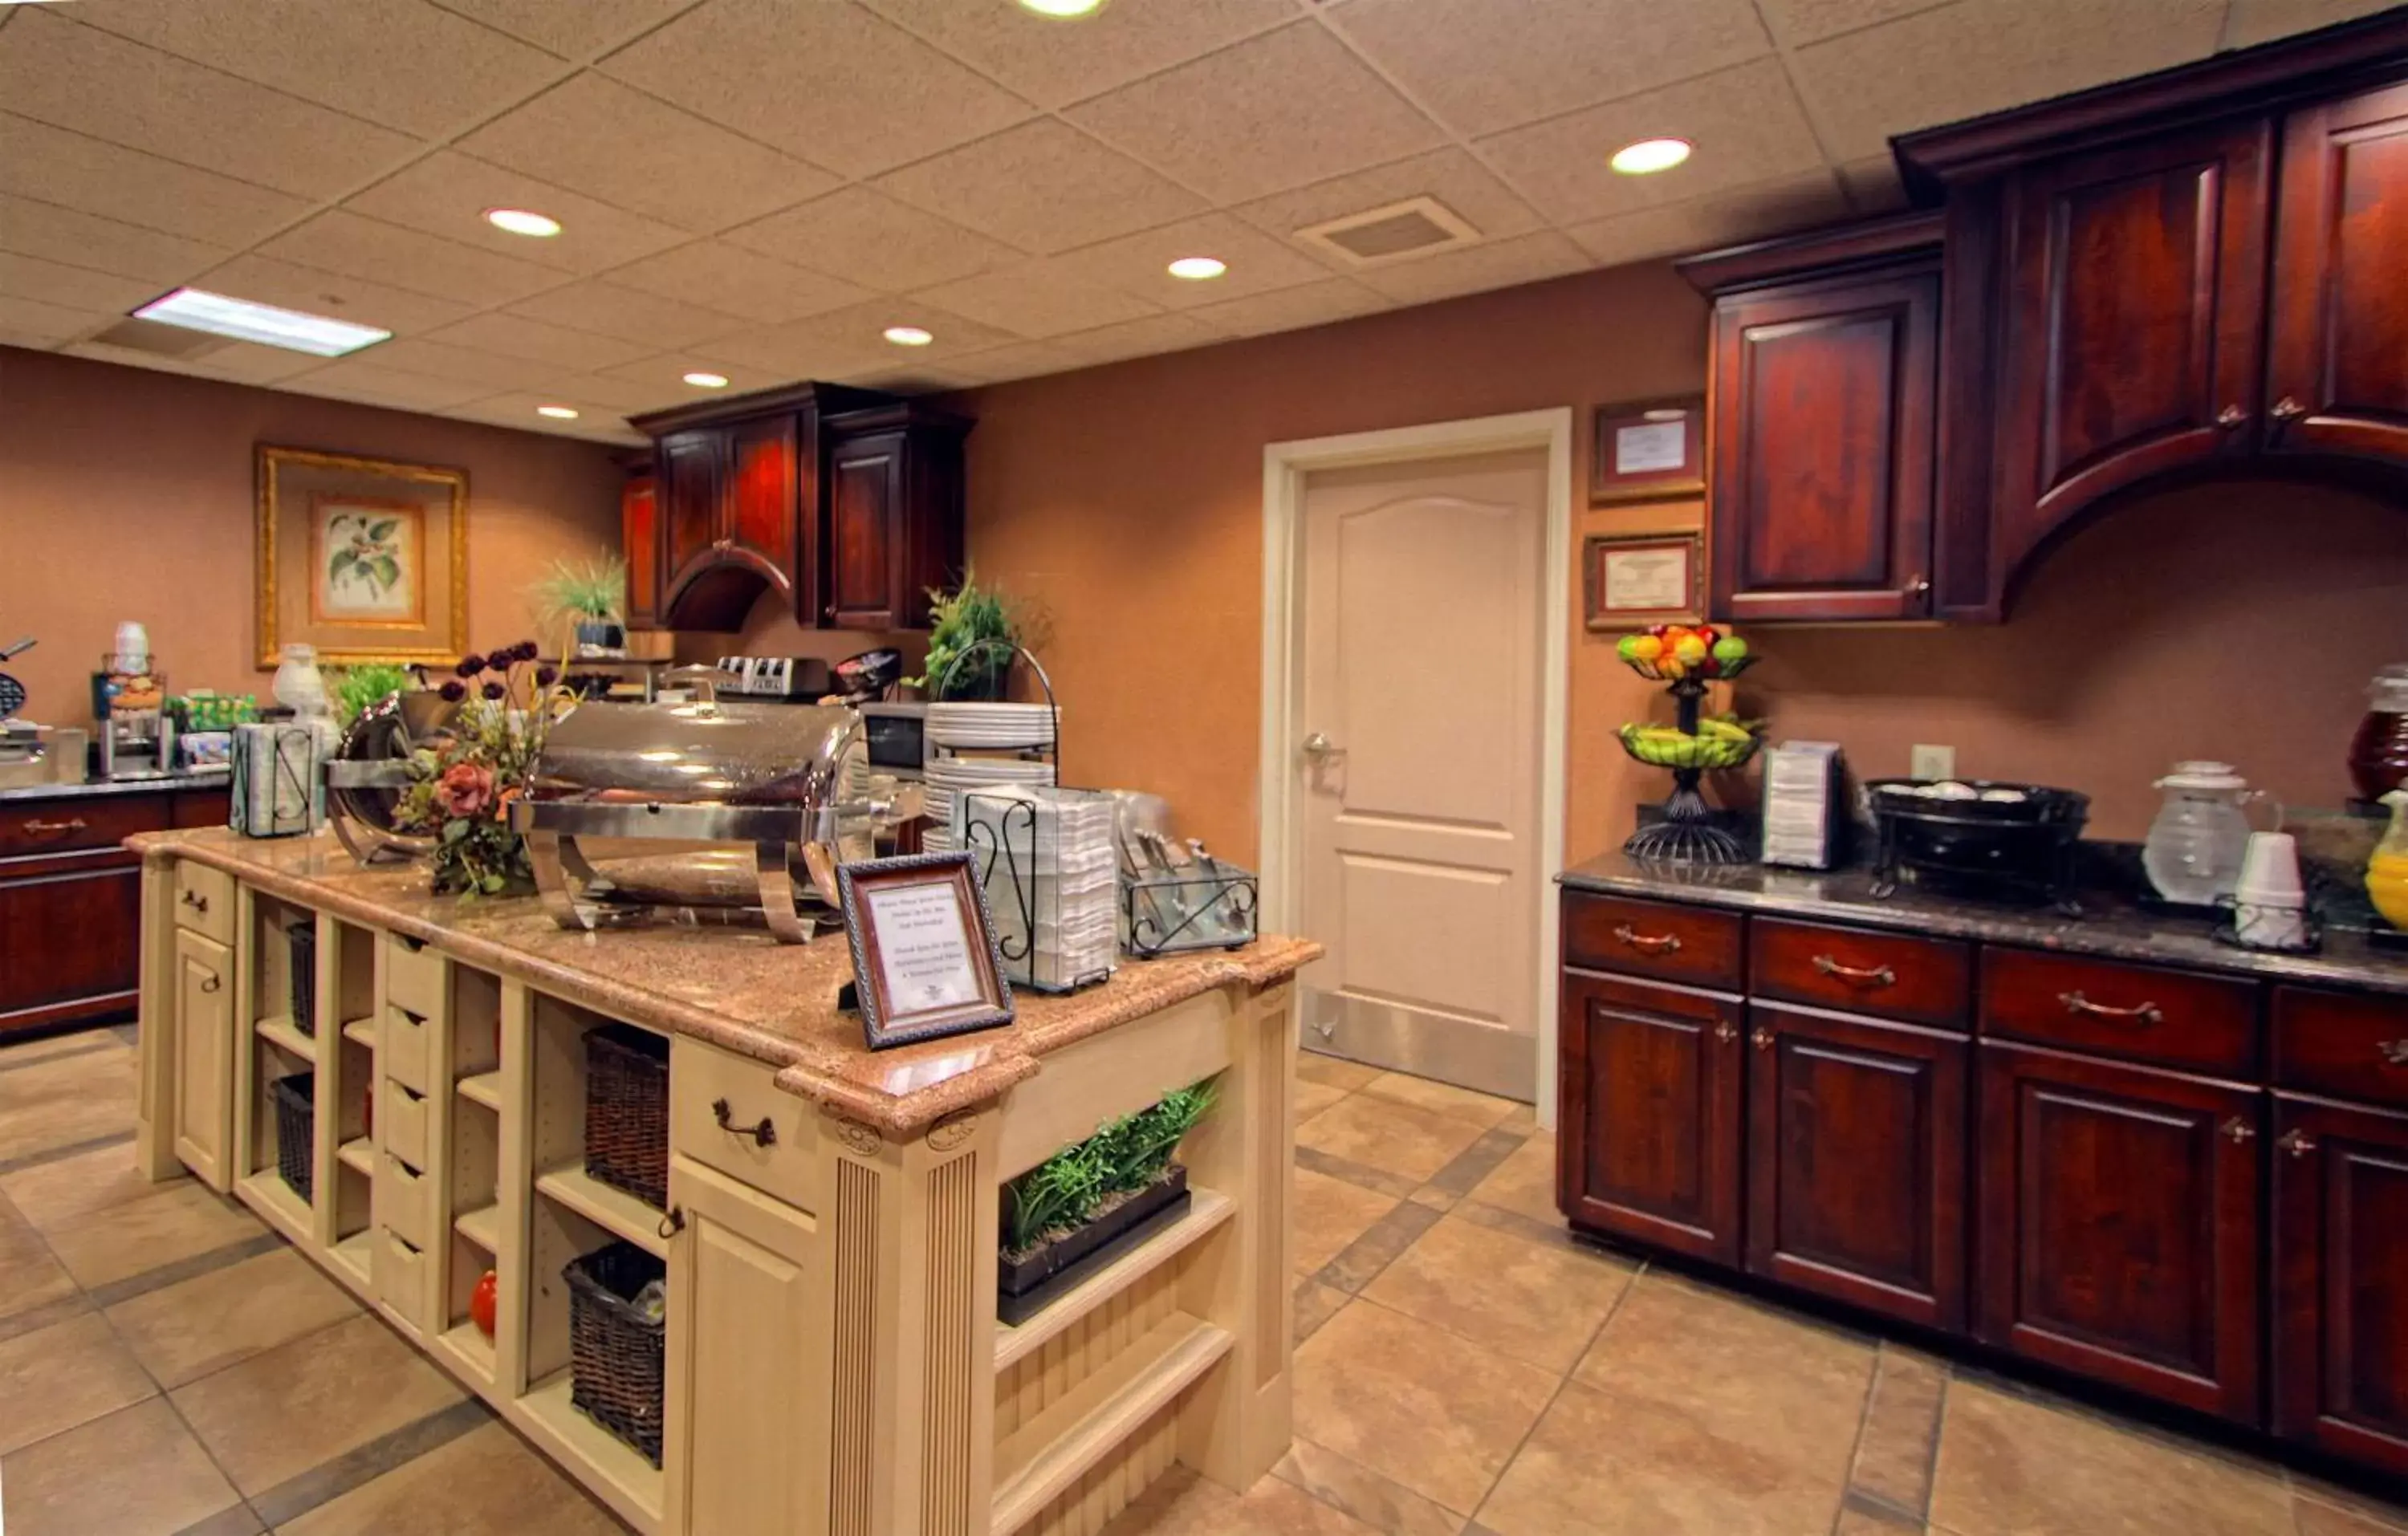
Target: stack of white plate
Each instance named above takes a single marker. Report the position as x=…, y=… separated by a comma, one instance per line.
x=944, y=778
x=1053, y=886
x=954, y=724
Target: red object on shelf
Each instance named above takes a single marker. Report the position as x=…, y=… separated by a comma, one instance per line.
x=481, y=1303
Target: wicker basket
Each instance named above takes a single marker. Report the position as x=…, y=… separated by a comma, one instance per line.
x=295, y=1115
x=614, y=1352
x=627, y=1112
x=303, y=938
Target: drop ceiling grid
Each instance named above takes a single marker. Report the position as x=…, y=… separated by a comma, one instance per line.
x=598, y=320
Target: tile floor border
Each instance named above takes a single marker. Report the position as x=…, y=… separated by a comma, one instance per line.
x=25, y=1160
x=168, y=1274
x=1361, y=1175
x=35, y=1319
x=68, y=1055
x=1360, y=1261
x=328, y=1481
x=235, y=1520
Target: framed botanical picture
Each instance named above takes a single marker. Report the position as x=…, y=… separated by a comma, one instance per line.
x=366, y=559
x=1649, y=451
x=1642, y=579
x=924, y=962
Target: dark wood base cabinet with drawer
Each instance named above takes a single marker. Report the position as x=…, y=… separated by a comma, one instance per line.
x=2341, y=1282
x=1651, y=1103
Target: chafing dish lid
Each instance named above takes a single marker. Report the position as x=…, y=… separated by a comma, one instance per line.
x=701, y=752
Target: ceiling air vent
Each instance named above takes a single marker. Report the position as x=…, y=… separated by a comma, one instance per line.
x=149, y=336
x=1415, y=228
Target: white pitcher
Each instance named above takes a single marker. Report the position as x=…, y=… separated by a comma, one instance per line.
x=2195, y=846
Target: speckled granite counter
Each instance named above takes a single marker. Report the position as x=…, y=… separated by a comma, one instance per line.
x=2111, y=927
x=102, y=788
x=734, y=987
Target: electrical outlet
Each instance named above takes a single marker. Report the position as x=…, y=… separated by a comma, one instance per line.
x=1930, y=762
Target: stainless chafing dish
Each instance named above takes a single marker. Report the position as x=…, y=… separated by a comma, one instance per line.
x=369, y=771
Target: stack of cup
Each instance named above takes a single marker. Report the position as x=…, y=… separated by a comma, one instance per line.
x=2269, y=904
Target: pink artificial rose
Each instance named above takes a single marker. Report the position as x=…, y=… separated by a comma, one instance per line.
x=466, y=789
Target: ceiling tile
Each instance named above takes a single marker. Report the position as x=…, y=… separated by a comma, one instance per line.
x=238, y=362
x=1054, y=63
x=436, y=360
x=1796, y=22
x=554, y=346
x=1449, y=175
x=362, y=377
x=1292, y=309
x=595, y=419
x=73, y=287
x=1495, y=264
x=448, y=193
x=657, y=388
x=826, y=82
x=1978, y=56
x=607, y=309
x=354, y=246
x=1278, y=112
x=850, y=340
x=1043, y=186
x=1480, y=73
x=660, y=381
x=1780, y=206
x=1745, y=123
x=31, y=323
x=1168, y=333
x=599, y=138
x=305, y=287
x=79, y=172
x=1021, y=360
x=1872, y=185
x=49, y=66
x=2255, y=21
x=105, y=245
x=400, y=63
x=922, y=379
x=1138, y=264
x=869, y=238
x=1037, y=299
x=574, y=29
x=728, y=278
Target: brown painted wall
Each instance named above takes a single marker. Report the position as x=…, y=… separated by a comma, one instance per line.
x=126, y=493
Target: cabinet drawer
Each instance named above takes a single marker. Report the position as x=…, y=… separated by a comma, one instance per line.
x=413, y=975
x=2179, y=1018
x=1690, y=944
x=205, y=901
x=402, y=1048
x=405, y=1124
x=1897, y=976
x=702, y=1079
x=2348, y=1045
x=63, y=827
x=402, y=1201
x=399, y=1271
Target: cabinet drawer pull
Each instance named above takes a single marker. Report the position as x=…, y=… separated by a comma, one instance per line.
x=763, y=1135
x=41, y=828
x=2237, y=1131
x=1920, y=586
x=2288, y=409
x=195, y=900
x=2299, y=1143
x=1647, y=943
x=672, y=1223
x=2230, y=417
x=1874, y=976
x=1761, y=1039
x=210, y=982
x=2394, y=1051
x=2146, y=1012
x=1725, y=1031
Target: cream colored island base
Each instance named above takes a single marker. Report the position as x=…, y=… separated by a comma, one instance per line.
x=832, y=1359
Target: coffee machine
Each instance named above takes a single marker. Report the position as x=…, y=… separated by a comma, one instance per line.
x=138, y=738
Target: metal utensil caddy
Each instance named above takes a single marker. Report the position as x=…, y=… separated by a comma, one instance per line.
x=1169, y=913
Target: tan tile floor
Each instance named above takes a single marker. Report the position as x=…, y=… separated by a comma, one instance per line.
x=1465, y=1368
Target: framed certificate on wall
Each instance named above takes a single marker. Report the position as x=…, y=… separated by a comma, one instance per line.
x=1641, y=579
x=924, y=962
x=1649, y=451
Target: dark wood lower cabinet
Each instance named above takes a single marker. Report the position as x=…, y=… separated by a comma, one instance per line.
x=1856, y=1162
x=2341, y=1281
x=1649, y=1132
x=2119, y=1233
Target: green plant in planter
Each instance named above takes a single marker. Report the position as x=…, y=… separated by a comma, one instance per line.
x=592, y=593
x=357, y=687
x=971, y=642
x=1125, y=1157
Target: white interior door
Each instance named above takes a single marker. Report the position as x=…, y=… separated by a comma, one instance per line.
x=1418, y=731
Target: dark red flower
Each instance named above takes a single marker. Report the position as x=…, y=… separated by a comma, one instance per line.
x=470, y=665
x=502, y=657
x=454, y=689
x=494, y=690
x=526, y=650
x=546, y=675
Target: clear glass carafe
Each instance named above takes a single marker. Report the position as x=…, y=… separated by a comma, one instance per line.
x=2194, y=848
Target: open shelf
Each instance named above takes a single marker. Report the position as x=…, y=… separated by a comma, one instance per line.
x=1206, y=1211
x=471, y=1348
x=278, y=1030
x=266, y=1192
x=484, y=1089
x=481, y=1227
x=352, y=1253
x=1085, y=1424
x=358, y=1153
x=361, y=1032
x=569, y=1433
x=614, y=1210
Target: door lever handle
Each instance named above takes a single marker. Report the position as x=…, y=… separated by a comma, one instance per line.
x=1318, y=747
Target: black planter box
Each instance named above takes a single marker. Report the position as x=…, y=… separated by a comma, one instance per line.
x=1026, y=1288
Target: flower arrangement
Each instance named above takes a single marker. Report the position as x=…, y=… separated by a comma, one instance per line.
x=461, y=787
x=971, y=642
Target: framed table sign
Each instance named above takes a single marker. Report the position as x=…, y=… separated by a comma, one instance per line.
x=924, y=962
x=1641, y=579
x=1649, y=451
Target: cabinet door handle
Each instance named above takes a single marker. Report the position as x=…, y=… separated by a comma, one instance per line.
x=2143, y=1014
x=195, y=900
x=1726, y=1031
x=210, y=982
x=2299, y=1143
x=2393, y=1052
x=41, y=828
x=1647, y=943
x=1918, y=587
x=2288, y=409
x=672, y=1223
x=2237, y=1131
x=2230, y=418
x=763, y=1135
x=1761, y=1039
x=1872, y=977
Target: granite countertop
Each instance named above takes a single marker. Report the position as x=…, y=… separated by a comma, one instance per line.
x=734, y=987
x=96, y=788
x=2111, y=926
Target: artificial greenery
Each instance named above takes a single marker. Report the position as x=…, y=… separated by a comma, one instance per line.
x=970, y=643
x=1124, y=1156
x=593, y=592
x=370, y=683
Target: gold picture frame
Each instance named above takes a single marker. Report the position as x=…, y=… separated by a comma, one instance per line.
x=364, y=558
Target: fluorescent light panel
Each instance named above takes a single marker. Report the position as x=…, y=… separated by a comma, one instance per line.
x=195, y=309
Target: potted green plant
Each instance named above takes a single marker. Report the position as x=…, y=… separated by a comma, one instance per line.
x=592, y=598
x=355, y=688
x=971, y=643
x=1080, y=1207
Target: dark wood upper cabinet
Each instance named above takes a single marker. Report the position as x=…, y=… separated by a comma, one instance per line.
x=865, y=488
x=894, y=515
x=2119, y=1230
x=2336, y=365
x=690, y=476
x=2341, y=1280
x=1649, y=1144
x=764, y=529
x=640, y=539
x=1856, y=1162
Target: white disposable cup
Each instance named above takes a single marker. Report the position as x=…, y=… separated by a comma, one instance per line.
x=2270, y=872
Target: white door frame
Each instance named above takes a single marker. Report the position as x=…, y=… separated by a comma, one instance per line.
x=1285, y=464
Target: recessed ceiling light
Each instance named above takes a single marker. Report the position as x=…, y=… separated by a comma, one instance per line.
x=519, y=220
x=707, y=381
x=1198, y=268
x=239, y=318
x=1063, y=10
x=1650, y=156
x=558, y=413
x=909, y=335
